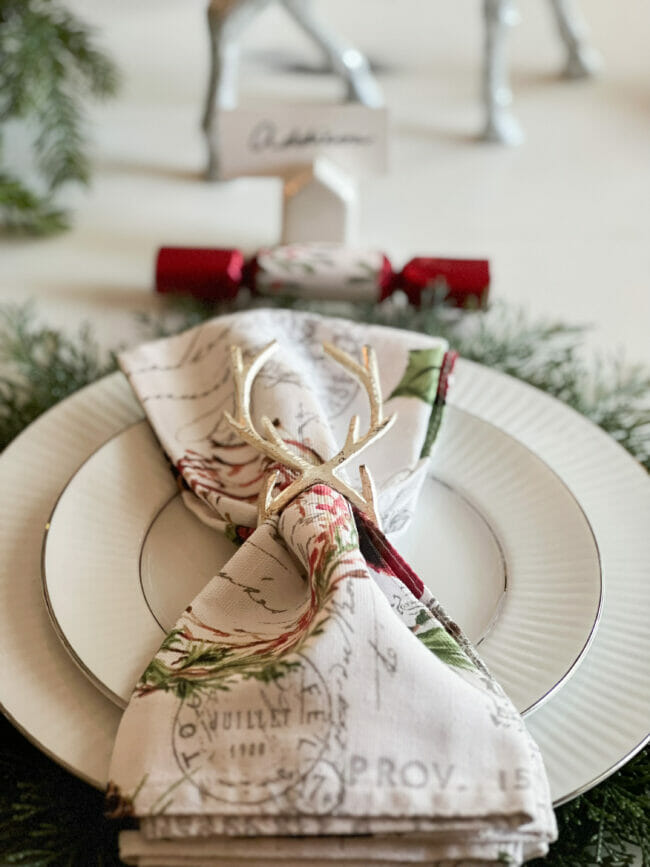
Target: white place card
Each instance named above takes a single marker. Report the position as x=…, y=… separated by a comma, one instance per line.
x=275, y=138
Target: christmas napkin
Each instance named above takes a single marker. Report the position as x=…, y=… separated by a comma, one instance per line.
x=314, y=704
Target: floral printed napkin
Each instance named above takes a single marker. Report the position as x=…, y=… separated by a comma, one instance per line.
x=314, y=692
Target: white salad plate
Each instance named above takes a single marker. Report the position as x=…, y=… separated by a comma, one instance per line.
x=520, y=573
x=586, y=729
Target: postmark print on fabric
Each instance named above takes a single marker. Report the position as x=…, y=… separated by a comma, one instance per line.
x=320, y=792
x=249, y=752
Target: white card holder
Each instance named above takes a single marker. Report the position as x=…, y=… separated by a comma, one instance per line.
x=320, y=203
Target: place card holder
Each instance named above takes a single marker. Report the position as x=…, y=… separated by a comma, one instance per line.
x=320, y=202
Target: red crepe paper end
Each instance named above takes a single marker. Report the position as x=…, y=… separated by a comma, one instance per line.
x=213, y=275
x=462, y=282
x=385, y=279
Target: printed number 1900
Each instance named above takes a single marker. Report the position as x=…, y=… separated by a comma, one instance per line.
x=240, y=751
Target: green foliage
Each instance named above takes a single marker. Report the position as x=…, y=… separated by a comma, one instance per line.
x=600, y=827
x=26, y=213
x=39, y=367
x=47, y=817
x=48, y=66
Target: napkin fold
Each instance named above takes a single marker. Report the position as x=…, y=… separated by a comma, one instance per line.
x=314, y=693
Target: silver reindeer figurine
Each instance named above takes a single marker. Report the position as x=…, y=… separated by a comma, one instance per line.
x=500, y=15
x=227, y=20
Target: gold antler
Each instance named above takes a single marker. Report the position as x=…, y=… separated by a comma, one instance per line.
x=273, y=446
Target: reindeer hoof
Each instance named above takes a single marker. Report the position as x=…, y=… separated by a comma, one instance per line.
x=212, y=168
x=583, y=62
x=505, y=129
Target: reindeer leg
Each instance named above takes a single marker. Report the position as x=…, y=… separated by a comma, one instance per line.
x=346, y=60
x=582, y=59
x=501, y=125
x=227, y=20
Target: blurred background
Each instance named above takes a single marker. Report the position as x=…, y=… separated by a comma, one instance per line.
x=564, y=218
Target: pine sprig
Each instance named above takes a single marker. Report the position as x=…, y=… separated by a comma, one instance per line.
x=602, y=826
x=39, y=367
x=47, y=817
x=59, y=144
x=49, y=65
x=25, y=213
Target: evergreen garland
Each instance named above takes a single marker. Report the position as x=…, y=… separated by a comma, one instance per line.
x=48, y=817
x=48, y=65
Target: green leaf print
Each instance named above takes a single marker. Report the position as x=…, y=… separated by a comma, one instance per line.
x=205, y=668
x=421, y=379
x=272, y=671
x=421, y=376
x=438, y=641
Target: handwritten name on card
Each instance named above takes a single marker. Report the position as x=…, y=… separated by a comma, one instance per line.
x=275, y=138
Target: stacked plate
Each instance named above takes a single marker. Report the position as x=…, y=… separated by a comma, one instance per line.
x=532, y=531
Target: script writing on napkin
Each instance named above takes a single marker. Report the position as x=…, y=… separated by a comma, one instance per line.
x=315, y=690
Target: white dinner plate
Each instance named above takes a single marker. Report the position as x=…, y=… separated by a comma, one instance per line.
x=585, y=730
x=498, y=538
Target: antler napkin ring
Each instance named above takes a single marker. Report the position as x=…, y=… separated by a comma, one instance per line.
x=274, y=446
